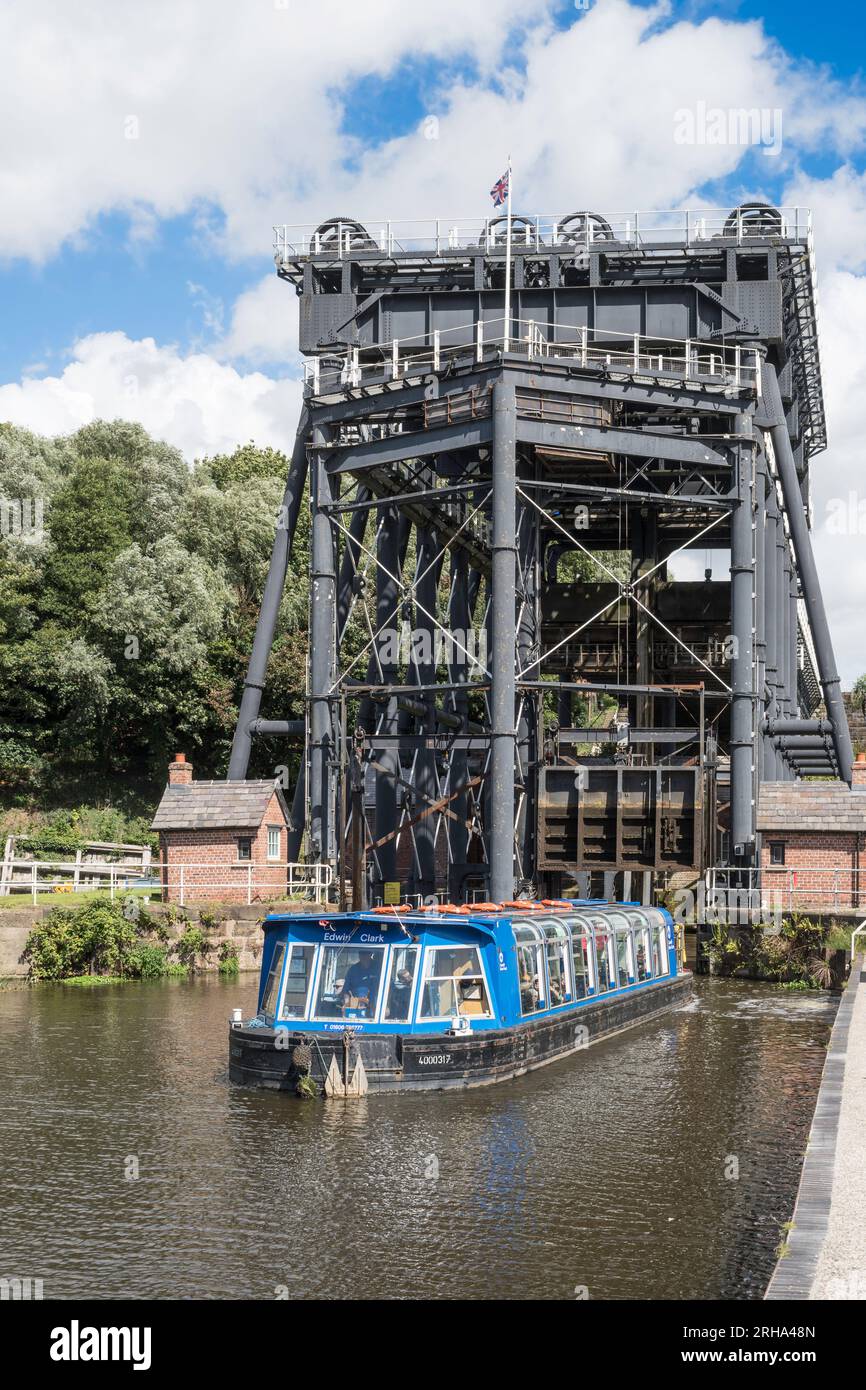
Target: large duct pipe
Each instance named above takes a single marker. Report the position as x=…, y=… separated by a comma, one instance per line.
x=828, y=673
x=503, y=623
x=742, y=664
x=771, y=623
x=323, y=629
x=267, y=621
x=797, y=726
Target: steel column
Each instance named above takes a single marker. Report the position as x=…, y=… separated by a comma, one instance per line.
x=323, y=630
x=266, y=625
x=502, y=665
x=742, y=663
x=828, y=671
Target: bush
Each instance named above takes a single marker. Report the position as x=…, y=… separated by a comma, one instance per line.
x=190, y=946
x=101, y=939
x=228, y=958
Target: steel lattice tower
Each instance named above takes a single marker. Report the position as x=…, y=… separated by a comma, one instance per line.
x=658, y=387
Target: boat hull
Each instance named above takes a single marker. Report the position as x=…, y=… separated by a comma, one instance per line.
x=277, y=1059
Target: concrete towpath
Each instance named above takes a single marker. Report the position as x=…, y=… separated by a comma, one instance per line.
x=826, y=1249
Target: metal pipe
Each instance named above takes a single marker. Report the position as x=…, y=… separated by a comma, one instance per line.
x=459, y=619
x=828, y=672
x=502, y=665
x=349, y=564
x=771, y=621
x=742, y=663
x=323, y=581
x=763, y=753
x=424, y=670
x=389, y=553
x=797, y=726
x=267, y=620
x=289, y=728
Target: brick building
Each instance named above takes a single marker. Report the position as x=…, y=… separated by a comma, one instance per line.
x=225, y=841
x=813, y=843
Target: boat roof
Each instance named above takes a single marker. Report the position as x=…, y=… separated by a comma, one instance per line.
x=483, y=915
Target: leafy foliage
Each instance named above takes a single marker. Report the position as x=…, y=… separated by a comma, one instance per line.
x=113, y=939
x=126, y=623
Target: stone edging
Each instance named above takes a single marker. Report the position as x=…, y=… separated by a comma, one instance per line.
x=795, y=1272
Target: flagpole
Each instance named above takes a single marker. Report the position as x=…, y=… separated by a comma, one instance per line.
x=507, y=334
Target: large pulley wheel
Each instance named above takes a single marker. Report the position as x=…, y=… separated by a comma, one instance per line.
x=755, y=219
x=340, y=234
x=580, y=228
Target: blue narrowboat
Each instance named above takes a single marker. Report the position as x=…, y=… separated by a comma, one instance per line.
x=427, y=999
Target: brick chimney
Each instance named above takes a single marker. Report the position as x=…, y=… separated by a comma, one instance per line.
x=859, y=778
x=180, y=771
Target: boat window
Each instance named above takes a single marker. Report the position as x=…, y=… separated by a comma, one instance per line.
x=298, y=977
x=272, y=983
x=602, y=955
x=642, y=954
x=525, y=931
x=530, y=975
x=624, y=967
x=660, y=950
x=401, y=982
x=454, y=984
x=349, y=979
x=558, y=963
x=581, y=956
x=580, y=966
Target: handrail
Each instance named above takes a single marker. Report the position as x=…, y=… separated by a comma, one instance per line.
x=777, y=886
x=569, y=231
x=682, y=359
x=251, y=878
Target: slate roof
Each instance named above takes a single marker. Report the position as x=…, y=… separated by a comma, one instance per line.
x=216, y=805
x=811, y=806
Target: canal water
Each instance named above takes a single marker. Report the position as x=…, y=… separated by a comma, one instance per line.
x=657, y=1165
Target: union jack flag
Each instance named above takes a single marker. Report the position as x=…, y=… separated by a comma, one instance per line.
x=499, y=191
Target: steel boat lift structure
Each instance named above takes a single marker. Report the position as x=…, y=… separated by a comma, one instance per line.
x=657, y=387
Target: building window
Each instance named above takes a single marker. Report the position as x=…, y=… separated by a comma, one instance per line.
x=245, y=849
x=777, y=852
x=273, y=842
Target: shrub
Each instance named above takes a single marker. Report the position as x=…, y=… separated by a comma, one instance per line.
x=228, y=958
x=190, y=946
x=97, y=939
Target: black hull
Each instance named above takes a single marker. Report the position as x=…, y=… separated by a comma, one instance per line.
x=439, y=1061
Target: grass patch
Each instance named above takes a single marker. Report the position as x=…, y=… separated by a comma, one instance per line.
x=46, y=897
x=91, y=981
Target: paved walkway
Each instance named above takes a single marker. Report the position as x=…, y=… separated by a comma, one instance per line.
x=826, y=1256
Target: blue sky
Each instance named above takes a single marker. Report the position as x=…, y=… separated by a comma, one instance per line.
x=146, y=151
x=154, y=288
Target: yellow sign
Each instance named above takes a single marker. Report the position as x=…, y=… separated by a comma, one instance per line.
x=390, y=894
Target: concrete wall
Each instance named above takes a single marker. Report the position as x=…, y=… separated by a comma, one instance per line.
x=241, y=924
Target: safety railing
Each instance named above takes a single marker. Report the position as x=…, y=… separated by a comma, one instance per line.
x=677, y=359
x=566, y=232
x=52, y=880
x=788, y=888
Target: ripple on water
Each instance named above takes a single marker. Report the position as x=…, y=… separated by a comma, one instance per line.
x=611, y=1169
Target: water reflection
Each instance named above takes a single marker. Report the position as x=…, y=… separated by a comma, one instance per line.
x=606, y=1170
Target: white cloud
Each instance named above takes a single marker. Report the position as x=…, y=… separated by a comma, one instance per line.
x=194, y=402
x=238, y=117
x=264, y=324
x=178, y=105
x=237, y=113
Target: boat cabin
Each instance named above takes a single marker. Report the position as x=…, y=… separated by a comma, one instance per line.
x=408, y=970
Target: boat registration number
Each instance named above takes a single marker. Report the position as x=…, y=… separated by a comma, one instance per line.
x=434, y=1059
